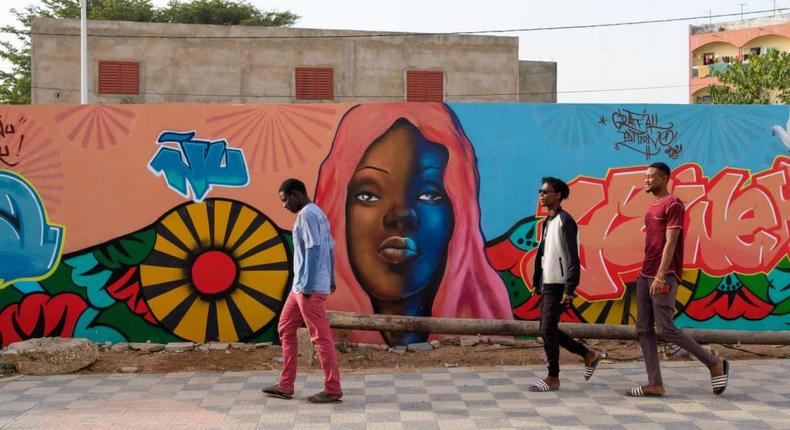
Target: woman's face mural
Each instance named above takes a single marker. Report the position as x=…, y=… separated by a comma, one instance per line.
x=398, y=217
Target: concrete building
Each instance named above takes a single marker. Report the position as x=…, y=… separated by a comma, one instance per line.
x=133, y=62
x=713, y=47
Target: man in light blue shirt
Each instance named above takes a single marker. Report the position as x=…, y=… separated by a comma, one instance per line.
x=313, y=281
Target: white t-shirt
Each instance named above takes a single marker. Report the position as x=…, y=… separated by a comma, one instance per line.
x=555, y=256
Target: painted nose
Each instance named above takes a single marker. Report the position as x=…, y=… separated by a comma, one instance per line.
x=401, y=219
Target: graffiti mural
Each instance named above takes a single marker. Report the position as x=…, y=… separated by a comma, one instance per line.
x=31, y=245
x=217, y=271
x=428, y=203
x=398, y=188
x=11, y=139
x=196, y=166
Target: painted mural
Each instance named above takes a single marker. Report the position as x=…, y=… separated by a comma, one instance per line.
x=163, y=223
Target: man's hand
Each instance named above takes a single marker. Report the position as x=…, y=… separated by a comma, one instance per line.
x=568, y=298
x=657, y=287
x=332, y=288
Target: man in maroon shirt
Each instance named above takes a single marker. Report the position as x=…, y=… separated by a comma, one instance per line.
x=657, y=286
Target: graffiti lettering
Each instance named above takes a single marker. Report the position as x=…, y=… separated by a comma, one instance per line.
x=29, y=246
x=7, y=130
x=198, y=164
x=642, y=133
x=735, y=222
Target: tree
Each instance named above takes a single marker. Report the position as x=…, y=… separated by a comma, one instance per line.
x=763, y=79
x=222, y=12
x=15, y=83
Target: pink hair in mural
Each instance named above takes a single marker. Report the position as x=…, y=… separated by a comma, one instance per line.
x=400, y=189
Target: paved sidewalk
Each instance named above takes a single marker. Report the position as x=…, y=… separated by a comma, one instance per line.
x=454, y=399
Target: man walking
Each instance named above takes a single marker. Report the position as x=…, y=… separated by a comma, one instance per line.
x=556, y=277
x=658, y=284
x=313, y=281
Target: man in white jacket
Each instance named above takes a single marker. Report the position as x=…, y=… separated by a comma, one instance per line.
x=555, y=279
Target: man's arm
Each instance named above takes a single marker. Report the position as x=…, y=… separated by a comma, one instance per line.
x=332, y=285
x=312, y=251
x=657, y=287
x=311, y=256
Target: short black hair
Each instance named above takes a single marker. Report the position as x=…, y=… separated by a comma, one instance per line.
x=290, y=185
x=662, y=167
x=558, y=185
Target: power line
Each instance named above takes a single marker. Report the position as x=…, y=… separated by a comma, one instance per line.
x=412, y=34
x=658, y=87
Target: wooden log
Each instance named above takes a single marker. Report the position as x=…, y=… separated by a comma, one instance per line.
x=462, y=326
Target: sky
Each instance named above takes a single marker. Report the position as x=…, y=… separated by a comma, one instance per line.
x=588, y=60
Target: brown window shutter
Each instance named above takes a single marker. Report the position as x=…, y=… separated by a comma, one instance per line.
x=119, y=77
x=314, y=83
x=424, y=86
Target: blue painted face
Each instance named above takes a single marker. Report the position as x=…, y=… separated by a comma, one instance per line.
x=398, y=216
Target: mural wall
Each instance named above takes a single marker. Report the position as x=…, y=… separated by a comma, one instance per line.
x=162, y=222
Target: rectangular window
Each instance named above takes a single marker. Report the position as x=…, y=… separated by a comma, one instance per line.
x=119, y=77
x=424, y=86
x=314, y=83
x=707, y=58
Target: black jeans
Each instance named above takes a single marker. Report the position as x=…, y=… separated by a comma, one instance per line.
x=551, y=309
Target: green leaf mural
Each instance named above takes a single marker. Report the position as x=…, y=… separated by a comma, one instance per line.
x=129, y=250
x=61, y=282
x=267, y=335
x=133, y=327
x=516, y=288
x=89, y=274
x=705, y=285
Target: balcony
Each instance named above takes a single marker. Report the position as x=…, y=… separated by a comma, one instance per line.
x=717, y=68
x=699, y=72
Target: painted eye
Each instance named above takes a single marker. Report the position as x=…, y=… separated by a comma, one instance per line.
x=431, y=196
x=367, y=197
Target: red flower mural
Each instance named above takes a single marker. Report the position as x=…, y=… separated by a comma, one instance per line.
x=530, y=311
x=127, y=288
x=41, y=315
x=503, y=255
x=729, y=305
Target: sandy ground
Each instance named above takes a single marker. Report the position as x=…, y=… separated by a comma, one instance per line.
x=362, y=359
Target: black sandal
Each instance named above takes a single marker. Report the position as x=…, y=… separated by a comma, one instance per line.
x=589, y=370
x=720, y=382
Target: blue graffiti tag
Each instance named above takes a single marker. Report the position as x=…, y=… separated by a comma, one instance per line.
x=198, y=164
x=30, y=246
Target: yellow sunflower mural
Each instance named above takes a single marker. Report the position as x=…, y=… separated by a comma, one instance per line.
x=218, y=271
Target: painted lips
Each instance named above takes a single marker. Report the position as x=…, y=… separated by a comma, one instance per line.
x=398, y=250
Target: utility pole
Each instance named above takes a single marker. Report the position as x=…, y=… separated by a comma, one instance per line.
x=742, y=4
x=84, y=52
x=710, y=16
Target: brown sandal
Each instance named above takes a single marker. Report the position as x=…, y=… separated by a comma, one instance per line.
x=276, y=391
x=324, y=397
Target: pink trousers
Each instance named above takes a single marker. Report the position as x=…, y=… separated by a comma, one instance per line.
x=310, y=310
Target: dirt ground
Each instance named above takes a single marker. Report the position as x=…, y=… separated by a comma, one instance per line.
x=366, y=359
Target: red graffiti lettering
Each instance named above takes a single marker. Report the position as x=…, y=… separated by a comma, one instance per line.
x=735, y=222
